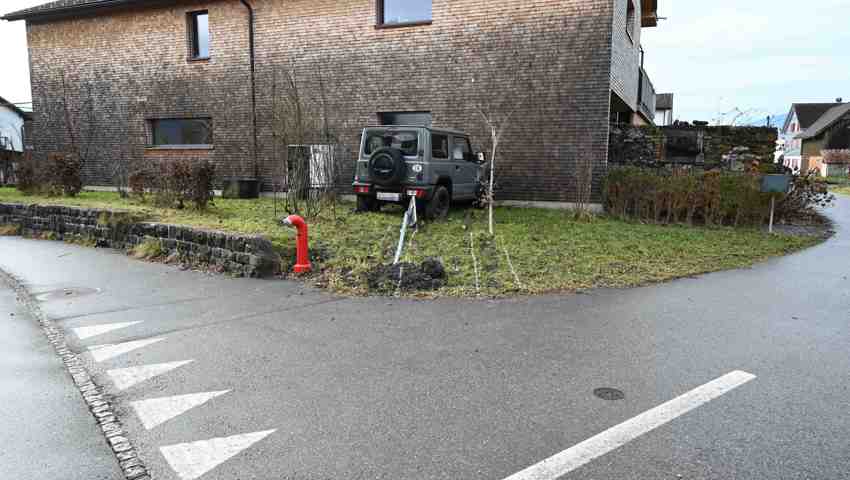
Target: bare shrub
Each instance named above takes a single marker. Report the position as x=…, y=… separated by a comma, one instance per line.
x=176, y=183
x=139, y=182
x=201, y=187
x=28, y=175
x=305, y=130
x=65, y=174
x=710, y=198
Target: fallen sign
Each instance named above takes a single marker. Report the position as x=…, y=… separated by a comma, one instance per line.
x=410, y=220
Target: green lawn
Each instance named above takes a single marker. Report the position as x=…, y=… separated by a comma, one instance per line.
x=840, y=189
x=548, y=251
x=838, y=185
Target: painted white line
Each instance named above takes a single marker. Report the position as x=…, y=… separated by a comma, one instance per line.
x=191, y=460
x=124, y=378
x=87, y=332
x=101, y=353
x=156, y=411
x=565, y=462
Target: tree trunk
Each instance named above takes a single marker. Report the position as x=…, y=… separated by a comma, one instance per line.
x=491, y=195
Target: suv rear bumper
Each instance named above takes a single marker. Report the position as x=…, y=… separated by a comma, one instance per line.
x=405, y=192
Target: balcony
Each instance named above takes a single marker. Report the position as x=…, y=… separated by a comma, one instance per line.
x=646, y=96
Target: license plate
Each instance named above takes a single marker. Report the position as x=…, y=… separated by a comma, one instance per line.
x=389, y=196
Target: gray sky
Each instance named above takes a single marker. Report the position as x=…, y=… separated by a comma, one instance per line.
x=756, y=55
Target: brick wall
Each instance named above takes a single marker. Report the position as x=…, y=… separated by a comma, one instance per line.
x=123, y=69
x=135, y=63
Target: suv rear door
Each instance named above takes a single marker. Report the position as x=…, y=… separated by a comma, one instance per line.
x=465, y=176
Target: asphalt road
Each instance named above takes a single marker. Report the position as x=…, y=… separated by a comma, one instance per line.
x=297, y=384
x=46, y=431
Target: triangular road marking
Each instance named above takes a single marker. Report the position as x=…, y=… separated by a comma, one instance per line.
x=106, y=352
x=127, y=377
x=191, y=460
x=87, y=332
x=155, y=411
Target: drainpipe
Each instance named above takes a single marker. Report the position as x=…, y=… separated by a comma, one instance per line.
x=253, y=81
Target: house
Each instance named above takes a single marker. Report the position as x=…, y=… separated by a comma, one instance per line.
x=201, y=78
x=828, y=135
x=664, y=109
x=12, y=138
x=799, y=118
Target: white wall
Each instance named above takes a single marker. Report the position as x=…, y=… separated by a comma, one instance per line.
x=11, y=126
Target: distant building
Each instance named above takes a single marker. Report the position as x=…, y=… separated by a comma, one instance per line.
x=664, y=109
x=12, y=138
x=12, y=120
x=800, y=117
x=829, y=133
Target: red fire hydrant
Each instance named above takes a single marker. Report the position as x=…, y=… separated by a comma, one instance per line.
x=302, y=263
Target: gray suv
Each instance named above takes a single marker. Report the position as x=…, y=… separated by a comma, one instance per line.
x=436, y=166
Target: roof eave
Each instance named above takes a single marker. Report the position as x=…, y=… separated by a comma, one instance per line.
x=13, y=107
x=791, y=113
x=64, y=12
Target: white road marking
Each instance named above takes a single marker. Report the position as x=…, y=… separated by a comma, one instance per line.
x=191, y=460
x=156, y=411
x=106, y=352
x=87, y=332
x=127, y=377
x=565, y=462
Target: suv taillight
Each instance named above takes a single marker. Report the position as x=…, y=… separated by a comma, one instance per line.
x=418, y=193
x=361, y=189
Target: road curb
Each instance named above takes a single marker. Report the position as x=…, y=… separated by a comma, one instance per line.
x=92, y=393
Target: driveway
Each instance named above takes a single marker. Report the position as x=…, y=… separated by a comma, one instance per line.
x=738, y=374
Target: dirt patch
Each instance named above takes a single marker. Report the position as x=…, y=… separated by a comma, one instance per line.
x=407, y=277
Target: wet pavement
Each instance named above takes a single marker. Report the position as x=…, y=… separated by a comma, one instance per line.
x=274, y=379
x=46, y=430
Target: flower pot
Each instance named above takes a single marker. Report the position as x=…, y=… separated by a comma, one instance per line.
x=240, y=187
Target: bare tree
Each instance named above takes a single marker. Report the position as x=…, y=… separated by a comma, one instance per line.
x=737, y=117
x=80, y=120
x=306, y=135
x=498, y=94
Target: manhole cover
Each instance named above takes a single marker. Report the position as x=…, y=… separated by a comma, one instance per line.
x=66, y=293
x=609, y=393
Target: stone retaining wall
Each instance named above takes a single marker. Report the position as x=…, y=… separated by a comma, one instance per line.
x=685, y=144
x=240, y=255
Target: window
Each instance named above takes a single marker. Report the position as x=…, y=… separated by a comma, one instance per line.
x=405, y=140
x=439, y=146
x=461, y=150
x=405, y=118
x=199, y=35
x=403, y=12
x=181, y=132
x=630, y=20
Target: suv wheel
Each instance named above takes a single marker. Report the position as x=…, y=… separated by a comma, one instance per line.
x=367, y=204
x=438, y=207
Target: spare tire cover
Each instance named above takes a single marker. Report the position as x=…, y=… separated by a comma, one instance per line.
x=387, y=166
